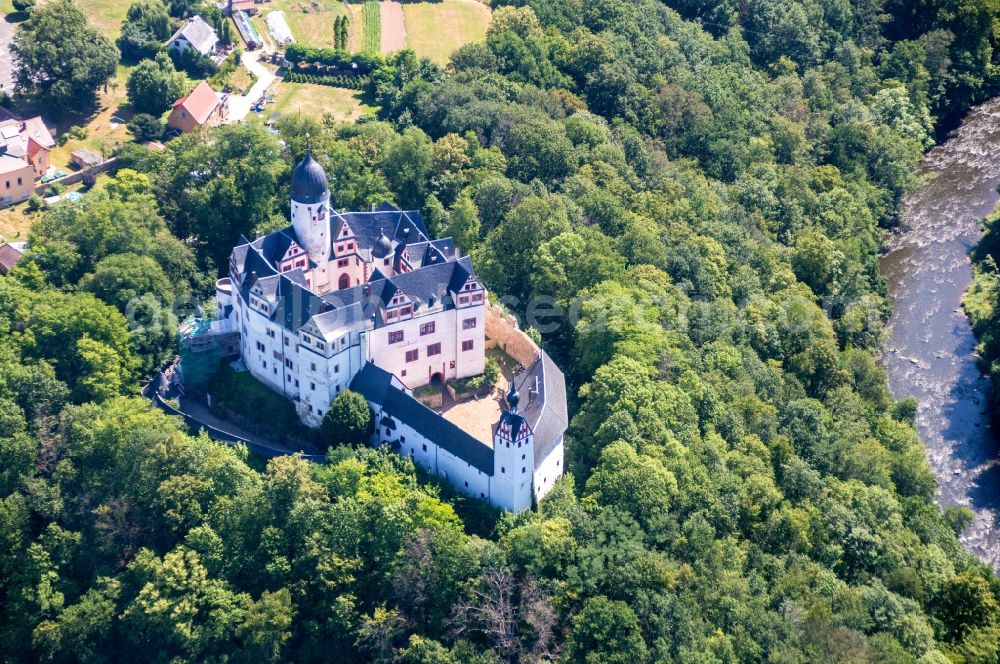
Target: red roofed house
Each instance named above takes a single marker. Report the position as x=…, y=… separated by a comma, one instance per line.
x=26, y=141
x=10, y=254
x=202, y=107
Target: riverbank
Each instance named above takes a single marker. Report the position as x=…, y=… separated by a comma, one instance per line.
x=931, y=354
x=982, y=306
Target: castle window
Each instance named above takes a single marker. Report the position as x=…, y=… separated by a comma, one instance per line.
x=312, y=366
x=402, y=439
x=434, y=349
x=342, y=262
x=464, y=299
x=427, y=328
x=296, y=382
x=424, y=446
x=467, y=345
x=336, y=368
x=468, y=323
x=403, y=373
x=412, y=355
x=477, y=297
x=344, y=281
x=396, y=336
x=466, y=485
x=522, y=457
x=312, y=386
x=523, y=470
x=502, y=469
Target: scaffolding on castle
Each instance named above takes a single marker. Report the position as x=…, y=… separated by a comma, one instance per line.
x=203, y=345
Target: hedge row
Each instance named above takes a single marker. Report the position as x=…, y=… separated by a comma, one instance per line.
x=296, y=53
x=341, y=81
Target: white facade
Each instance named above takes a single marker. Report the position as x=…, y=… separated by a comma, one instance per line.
x=367, y=301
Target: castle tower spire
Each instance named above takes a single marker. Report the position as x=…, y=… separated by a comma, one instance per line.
x=310, y=201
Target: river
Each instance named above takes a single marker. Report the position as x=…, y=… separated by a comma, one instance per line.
x=931, y=351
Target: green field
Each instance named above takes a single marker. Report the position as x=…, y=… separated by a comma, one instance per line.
x=105, y=15
x=311, y=23
x=436, y=29
x=316, y=100
x=373, y=27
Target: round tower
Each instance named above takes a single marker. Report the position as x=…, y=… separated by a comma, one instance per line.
x=310, y=203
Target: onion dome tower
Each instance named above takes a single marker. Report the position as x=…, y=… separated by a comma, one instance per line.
x=382, y=246
x=310, y=204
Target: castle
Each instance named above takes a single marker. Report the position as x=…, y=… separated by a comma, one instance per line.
x=367, y=301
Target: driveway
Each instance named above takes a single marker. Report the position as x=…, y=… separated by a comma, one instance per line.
x=6, y=61
x=239, y=106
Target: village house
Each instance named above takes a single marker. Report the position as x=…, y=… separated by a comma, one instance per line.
x=202, y=107
x=368, y=301
x=196, y=35
x=25, y=146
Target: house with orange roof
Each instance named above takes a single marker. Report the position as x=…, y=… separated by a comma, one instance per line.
x=202, y=107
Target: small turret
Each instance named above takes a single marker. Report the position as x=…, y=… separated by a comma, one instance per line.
x=512, y=398
x=383, y=246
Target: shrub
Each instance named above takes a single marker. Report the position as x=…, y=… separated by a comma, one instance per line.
x=475, y=383
x=35, y=203
x=23, y=5
x=88, y=180
x=348, y=421
x=145, y=127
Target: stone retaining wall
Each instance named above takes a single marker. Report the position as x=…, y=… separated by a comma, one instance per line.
x=505, y=333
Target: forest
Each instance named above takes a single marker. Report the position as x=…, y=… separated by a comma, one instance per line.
x=701, y=187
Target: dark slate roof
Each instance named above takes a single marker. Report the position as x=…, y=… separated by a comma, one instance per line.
x=367, y=226
x=423, y=286
x=545, y=409
x=295, y=304
x=371, y=382
x=309, y=183
x=274, y=246
x=375, y=385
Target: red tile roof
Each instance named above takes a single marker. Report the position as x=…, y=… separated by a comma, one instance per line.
x=9, y=256
x=200, y=102
x=35, y=128
x=34, y=147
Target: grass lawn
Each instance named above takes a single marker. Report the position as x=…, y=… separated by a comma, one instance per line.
x=315, y=100
x=356, y=12
x=105, y=15
x=105, y=127
x=311, y=23
x=436, y=29
x=15, y=222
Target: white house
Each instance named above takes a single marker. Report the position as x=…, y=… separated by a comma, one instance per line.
x=196, y=35
x=367, y=301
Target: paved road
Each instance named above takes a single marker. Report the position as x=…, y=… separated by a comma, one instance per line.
x=239, y=106
x=6, y=61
